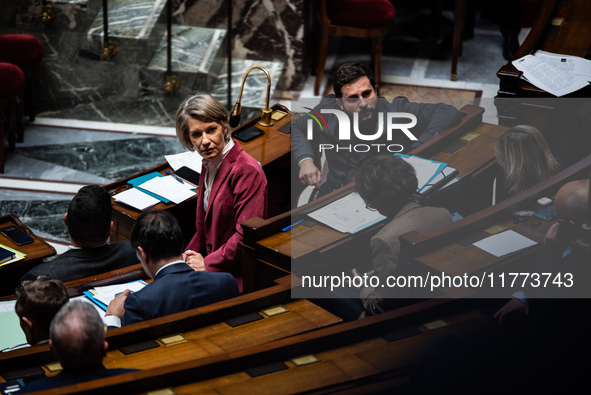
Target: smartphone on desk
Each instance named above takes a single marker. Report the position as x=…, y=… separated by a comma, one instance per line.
x=16, y=234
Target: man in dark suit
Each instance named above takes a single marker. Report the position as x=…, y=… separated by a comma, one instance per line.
x=78, y=341
x=89, y=224
x=157, y=238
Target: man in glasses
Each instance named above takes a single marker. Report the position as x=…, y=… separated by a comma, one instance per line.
x=386, y=183
x=356, y=96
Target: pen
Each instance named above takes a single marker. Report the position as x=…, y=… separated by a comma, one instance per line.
x=291, y=226
x=174, y=175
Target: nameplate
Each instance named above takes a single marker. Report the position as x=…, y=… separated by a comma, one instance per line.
x=133, y=348
x=244, y=319
x=305, y=360
x=436, y=324
x=172, y=339
x=162, y=391
x=493, y=230
x=54, y=367
x=266, y=369
x=470, y=136
x=275, y=310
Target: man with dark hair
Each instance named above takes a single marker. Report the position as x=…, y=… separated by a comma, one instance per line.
x=78, y=341
x=89, y=224
x=157, y=238
x=356, y=96
x=37, y=302
x=386, y=183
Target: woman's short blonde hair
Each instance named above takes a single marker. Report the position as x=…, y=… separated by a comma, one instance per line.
x=525, y=157
x=203, y=107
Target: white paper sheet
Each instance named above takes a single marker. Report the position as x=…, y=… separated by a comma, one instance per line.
x=191, y=159
x=135, y=198
x=504, y=243
x=548, y=77
x=170, y=188
x=347, y=214
x=107, y=293
x=576, y=65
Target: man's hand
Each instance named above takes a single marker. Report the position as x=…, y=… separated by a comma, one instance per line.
x=309, y=173
x=195, y=260
x=116, y=306
x=513, y=313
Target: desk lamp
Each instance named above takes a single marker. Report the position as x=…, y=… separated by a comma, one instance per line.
x=265, y=119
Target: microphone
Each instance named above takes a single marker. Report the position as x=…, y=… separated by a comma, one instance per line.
x=235, y=114
x=265, y=119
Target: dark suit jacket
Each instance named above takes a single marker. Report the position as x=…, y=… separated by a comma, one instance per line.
x=68, y=377
x=239, y=192
x=178, y=288
x=79, y=263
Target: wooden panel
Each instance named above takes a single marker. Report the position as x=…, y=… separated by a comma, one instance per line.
x=37, y=251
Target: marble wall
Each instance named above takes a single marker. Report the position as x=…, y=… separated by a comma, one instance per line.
x=262, y=30
x=74, y=83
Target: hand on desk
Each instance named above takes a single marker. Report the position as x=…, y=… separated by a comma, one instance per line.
x=309, y=173
x=513, y=313
x=195, y=260
x=116, y=306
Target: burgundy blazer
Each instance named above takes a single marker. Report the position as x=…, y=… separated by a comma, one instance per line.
x=239, y=192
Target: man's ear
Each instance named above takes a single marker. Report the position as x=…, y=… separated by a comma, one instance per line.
x=66, y=219
x=110, y=230
x=142, y=255
x=50, y=345
x=28, y=323
x=340, y=104
x=105, y=348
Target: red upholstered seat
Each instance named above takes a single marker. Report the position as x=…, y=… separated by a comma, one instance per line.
x=360, y=13
x=12, y=81
x=23, y=50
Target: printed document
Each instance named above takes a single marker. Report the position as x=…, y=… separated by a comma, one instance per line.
x=504, y=243
x=347, y=214
x=548, y=77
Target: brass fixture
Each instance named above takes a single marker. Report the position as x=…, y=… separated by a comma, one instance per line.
x=172, y=84
x=265, y=119
x=47, y=14
x=109, y=50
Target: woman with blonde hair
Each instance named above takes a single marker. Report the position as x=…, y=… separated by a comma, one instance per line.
x=525, y=157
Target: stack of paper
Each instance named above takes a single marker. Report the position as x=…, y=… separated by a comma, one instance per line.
x=102, y=296
x=190, y=159
x=347, y=214
x=554, y=73
x=17, y=255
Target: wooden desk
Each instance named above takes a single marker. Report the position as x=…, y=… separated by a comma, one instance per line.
x=192, y=321
x=270, y=253
x=272, y=150
x=348, y=354
x=37, y=251
x=441, y=249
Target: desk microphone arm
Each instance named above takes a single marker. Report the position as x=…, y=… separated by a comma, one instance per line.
x=265, y=119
